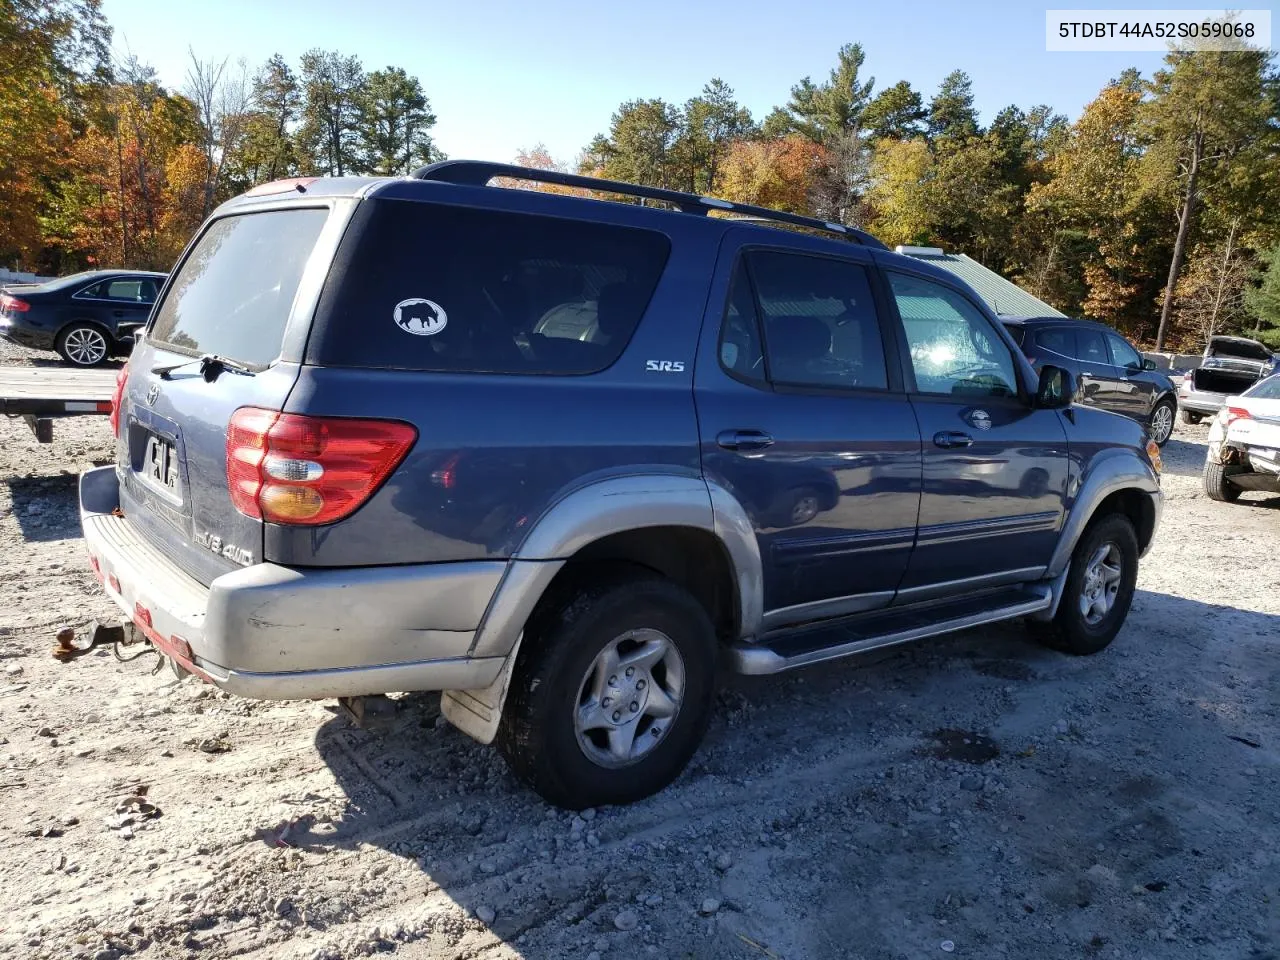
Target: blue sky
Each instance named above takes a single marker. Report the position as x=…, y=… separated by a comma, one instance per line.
x=503, y=75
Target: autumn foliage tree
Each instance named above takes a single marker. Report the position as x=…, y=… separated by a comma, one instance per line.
x=53, y=61
x=781, y=173
x=1156, y=210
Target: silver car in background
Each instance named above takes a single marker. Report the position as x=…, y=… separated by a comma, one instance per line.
x=1231, y=365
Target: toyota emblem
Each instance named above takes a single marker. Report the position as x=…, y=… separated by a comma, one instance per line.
x=153, y=393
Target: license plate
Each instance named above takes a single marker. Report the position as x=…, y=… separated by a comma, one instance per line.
x=160, y=465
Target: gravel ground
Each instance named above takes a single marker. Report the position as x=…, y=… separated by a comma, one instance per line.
x=974, y=795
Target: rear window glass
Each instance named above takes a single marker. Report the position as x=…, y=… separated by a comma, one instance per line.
x=234, y=291
x=418, y=286
x=1057, y=341
x=1268, y=389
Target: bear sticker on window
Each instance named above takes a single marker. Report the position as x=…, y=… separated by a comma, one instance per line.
x=420, y=317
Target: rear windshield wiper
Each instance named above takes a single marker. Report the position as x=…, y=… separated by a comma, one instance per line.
x=211, y=365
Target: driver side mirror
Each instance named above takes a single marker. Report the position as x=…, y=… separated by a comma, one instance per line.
x=1057, y=388
x=1149, y=364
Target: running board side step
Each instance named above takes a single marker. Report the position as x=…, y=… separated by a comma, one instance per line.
x=885, y=628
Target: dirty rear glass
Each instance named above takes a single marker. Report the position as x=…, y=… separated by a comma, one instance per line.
x=234, y=292
x=419, y=286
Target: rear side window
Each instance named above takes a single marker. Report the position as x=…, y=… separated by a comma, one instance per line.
x=235, y=290
x=418, y=286
x=1092, y=348
x=820, y=325
x=741, y=352
x=1058, y=340
x=1017, y=332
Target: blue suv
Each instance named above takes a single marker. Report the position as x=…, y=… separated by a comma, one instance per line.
x=565, y=459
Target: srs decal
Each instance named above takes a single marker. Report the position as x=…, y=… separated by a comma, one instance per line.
x=422, y=318
x=664, y=366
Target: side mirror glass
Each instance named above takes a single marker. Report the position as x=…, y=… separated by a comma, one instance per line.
x=1149, y=364
x=1057, y=388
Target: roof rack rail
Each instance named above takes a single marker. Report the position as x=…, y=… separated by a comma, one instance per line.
x=478, y=173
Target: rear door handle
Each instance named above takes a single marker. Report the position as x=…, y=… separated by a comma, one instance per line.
x=950, y=441
x=743, y=439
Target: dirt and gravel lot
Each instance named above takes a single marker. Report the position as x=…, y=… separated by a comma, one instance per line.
x=975, y=795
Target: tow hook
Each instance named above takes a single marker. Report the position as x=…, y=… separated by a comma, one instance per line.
x=101, y=635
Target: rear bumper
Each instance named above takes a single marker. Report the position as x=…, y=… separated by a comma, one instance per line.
x=274, y=633
x=16, y=332
x=1201, y=401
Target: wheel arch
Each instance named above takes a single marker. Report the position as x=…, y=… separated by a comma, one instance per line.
x=680, y=527
x=112, y=343
x=1121, y=482
x=691, y=531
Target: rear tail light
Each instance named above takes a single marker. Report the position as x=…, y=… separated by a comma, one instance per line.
x=11, y=304
x=1236, y=413
x=117, y=397
x=293, y=469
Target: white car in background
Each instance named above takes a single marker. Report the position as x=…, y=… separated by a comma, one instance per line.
x=1244, y=443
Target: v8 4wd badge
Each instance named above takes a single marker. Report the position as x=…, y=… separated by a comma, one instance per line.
x=214, y=544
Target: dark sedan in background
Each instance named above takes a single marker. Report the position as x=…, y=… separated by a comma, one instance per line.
x=87, y=317
x=1111, y=373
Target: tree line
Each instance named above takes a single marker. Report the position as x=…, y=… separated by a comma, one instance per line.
x=100, y=164
x=1157, y=210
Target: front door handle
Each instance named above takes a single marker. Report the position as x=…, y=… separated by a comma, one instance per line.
x=743, y=439
x=949, y=440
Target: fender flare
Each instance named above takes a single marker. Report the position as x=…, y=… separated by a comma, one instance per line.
x=617, y=505
x=1120, y=469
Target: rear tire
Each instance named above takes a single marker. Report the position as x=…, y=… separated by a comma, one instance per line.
x=1191, y=417
x=1162, y=421
x=84, y=344
x=580, y=729
x=1217, y=484
x=1098, y=591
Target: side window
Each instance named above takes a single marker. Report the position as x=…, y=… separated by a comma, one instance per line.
x=124, y=290
x=1123, y=355
x=1057, y=340
x=740, y=350
x=147, y=291
x=820, y=326
x=1092, y=348
x=483, y=291
x=954, y=348
x=94, y=292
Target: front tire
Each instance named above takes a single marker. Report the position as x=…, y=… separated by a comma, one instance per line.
x=1162, y=421
x=83, y=345
x=1217, y=483
x=612, y=691
x=1191, y=417
x=1099, y=589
